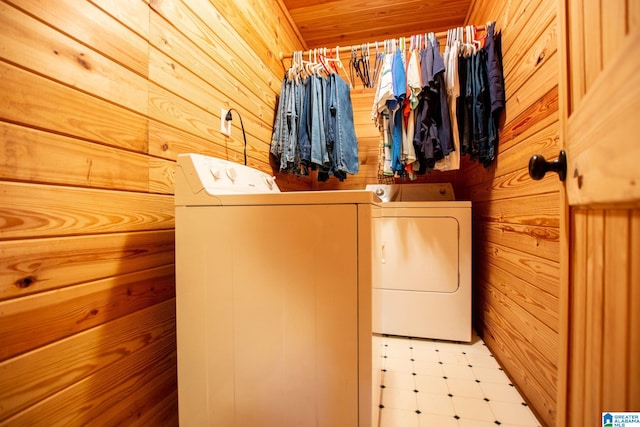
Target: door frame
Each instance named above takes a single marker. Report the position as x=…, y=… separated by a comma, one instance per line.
x=564, y=230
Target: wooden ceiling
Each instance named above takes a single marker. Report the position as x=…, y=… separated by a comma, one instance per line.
x=347, y=22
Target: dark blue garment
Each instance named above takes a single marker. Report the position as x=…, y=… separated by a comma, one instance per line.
x=432, y=139
x=319, y=154
x=462, y=112
x=342, y=144
x=426, y=66
x=276, y=137
x=495, y=77
x=282, y=128
x=304, y=129
x=425, y=139
x=481, y=99
x=493, y=46
x=292, y=110
x=441, y=104
x=480, y=142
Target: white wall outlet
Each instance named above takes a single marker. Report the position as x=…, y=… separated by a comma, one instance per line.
x=225, y=125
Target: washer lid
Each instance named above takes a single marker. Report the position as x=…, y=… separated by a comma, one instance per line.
x=285, y=198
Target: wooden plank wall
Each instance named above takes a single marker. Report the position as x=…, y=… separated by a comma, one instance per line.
x=98, y=98
x=516, y=220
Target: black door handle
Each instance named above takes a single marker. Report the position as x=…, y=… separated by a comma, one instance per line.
x=538, y=166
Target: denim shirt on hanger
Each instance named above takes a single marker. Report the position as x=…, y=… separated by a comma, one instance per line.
x=345, y=147
x=317, y=134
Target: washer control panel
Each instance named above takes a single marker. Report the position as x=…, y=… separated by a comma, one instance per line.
x=219, y=176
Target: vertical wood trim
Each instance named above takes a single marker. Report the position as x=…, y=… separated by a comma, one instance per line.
x=593, y=329
x=616, y=315
x=575, y=28
x=575, y=337
x=565, y=389
x=614, y=28
x=634, y=312
x=564, y=304
x=592, y=44
x=633, y=14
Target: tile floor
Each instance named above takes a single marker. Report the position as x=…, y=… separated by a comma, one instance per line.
x=429, y=383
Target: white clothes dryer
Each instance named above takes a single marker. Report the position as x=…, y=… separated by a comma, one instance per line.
x=421, y=262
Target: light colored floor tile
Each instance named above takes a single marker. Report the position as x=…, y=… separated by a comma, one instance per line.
x=399, y=398
x=399, y=342
x=438, y=404
x=500, y=392
x=451, y=346
x=390, y=417
x=513, y=414
x=465, y=388
x=476, y=346
x=476, y=423
x=425, y=354
x=404, y=380
x=482, y=360
x=431, y=368
x=490, y=375
x=422, y=344
x=458, y=371
x=453, y=357
x=435, y=420
x=397, y=365
x=431, y=384
x=475, y=393
x=472, y=409
x=397, y=351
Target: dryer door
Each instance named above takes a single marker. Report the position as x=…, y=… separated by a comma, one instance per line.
x=417, y=253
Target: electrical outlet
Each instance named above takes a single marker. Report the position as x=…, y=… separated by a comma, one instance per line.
x=225, y=125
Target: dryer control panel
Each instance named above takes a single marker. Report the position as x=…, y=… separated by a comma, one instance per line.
x=413, y=192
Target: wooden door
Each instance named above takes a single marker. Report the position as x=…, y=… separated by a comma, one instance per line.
x=600, y=116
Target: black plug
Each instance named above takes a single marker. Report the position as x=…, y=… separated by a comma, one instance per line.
x=228, y=116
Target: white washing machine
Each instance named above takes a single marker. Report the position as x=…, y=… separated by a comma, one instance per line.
x=421, y=262
x=273, y=301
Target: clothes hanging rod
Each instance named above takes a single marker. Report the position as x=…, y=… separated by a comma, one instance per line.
x=343, y=49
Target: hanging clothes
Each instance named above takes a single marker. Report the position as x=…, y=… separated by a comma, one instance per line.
x=414, y=87
x=493, y=46
x=482, y=100
x=452, y=84
x=395, y=107
x=433, y=126
x=314, y=126
x=341, y=140
x=285, y=129
x=380, y=112
x=437, y=107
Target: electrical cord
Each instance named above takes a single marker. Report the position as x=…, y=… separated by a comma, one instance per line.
x=228, y=118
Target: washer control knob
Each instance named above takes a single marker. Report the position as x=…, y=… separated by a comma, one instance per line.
x=268, y=180
x=232, y=173
x=216, y=173
x=379, y=191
